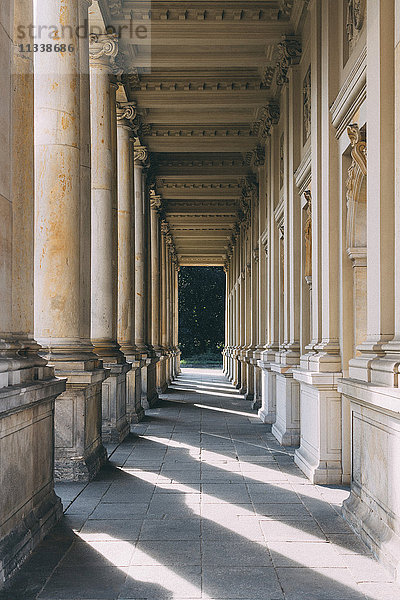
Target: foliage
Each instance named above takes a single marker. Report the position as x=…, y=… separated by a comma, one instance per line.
x=201, y=313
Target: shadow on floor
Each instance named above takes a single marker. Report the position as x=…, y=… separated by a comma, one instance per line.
x=200, y=501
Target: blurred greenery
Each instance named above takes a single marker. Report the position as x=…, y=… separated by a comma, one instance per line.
x=201, y=315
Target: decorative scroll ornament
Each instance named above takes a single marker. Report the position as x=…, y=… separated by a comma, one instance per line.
x=355, y=186
x=140, y=153
x=308, y=235
x=126, y=111
x=289, y=55
x=355, y=18
x=268, y=115
x=103, y=47
x=256, y=255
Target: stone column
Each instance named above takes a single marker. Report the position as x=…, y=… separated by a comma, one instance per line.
x=155, y=206
x=140, y=157
x=103, y=49
x=163, y=385
x=149, y=393
x=29, y=507
x=126, y=275
x=156, y=274
x=176, y=319
x=60, y=279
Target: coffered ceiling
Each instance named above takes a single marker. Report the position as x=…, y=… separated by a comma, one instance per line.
x=200, y=78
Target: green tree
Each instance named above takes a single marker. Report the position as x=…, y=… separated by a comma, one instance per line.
x=201, y=311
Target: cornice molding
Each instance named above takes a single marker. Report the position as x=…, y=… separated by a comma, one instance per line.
x=174, y=11
x=197, y=186
x=200, y=85
x=351, y=95
x=198, y=132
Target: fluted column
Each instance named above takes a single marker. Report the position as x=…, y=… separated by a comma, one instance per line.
x=61, y=290
x=103, y=50
x=126, y=275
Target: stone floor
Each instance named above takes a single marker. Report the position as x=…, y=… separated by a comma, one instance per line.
x=201, y=502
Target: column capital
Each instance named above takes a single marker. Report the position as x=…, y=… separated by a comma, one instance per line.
x=289, y=56
x=155, y=202
x=126, y=113
x=267, y=116
x=103, y=50
x=140, y=154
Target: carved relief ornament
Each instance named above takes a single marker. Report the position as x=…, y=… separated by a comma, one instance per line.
x=103, y=50
x=307, y=105
x=268, y=116
x=308, y=235
x=126, y=111
x=140, y=153
x=289, y=55
x=355, y=188
x=354, y=18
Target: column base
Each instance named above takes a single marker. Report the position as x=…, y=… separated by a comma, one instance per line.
x=286, y=428
x=373, y=507
x=115, y=425
x=320, y=453
x=79, y=452
x=29, y=507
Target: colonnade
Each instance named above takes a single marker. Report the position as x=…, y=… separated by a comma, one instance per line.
x=89, y=271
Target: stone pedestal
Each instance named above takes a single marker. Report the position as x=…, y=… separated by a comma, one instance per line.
x=286, y=428
x=134, y=408
x=149, y=392
x=320, y=453
x=29, y=507
x=373, y=507
x=115, y=425
x=79, y=453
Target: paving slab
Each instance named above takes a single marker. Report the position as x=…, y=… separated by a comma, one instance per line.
x=203, y=504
